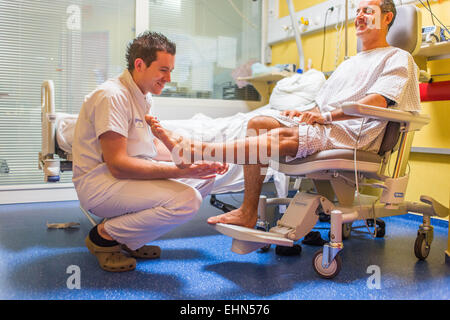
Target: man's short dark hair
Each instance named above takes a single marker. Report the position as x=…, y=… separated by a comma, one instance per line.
x=146, y=45
x=389, y=6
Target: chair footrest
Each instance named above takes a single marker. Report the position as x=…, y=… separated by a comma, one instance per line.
x=439, y=209
x=249, y=234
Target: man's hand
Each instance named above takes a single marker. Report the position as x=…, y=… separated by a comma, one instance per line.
x=291, y=113
x=309, y=117
x=221, y=168
x=204, y=170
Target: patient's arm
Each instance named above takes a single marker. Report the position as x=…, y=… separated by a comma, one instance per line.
x=372, y=99
x=314, y=116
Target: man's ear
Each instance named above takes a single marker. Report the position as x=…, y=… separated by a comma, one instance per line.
x=389, y=17
x=139, y=64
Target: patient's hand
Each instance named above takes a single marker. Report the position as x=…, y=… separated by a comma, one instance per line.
x=309, y=117
x=291, y=113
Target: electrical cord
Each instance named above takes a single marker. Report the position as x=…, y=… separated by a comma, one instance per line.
x=338, y=39
x=324, y=35
x=429, y=7
x=433, y=15
x=357, y=184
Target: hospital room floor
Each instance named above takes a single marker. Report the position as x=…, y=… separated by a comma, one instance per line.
x=196, y=263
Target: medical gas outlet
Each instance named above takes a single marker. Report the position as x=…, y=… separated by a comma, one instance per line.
x=304, y=23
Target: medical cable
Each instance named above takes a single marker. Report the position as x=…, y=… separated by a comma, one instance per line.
x=433, y=15
x=338, y=38
x=432, y=18
x=357, y=184
x=324, y=35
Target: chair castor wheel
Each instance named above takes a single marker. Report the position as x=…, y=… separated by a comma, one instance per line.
x=333, y=269
x=421, y=247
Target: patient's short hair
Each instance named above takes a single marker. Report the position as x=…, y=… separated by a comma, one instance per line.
x=146, y=45
x=389, y=6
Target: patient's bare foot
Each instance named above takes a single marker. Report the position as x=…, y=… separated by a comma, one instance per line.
x=237, y=217
x=166, y=137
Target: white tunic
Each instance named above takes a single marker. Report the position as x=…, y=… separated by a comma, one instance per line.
x=390, y=72
x=117, y=105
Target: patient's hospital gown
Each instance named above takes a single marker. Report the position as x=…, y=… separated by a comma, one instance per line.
x=388, y=71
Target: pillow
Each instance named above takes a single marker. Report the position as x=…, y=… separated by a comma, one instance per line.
x=298, y=91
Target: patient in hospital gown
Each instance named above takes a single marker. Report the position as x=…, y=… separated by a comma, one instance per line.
x=387, y=71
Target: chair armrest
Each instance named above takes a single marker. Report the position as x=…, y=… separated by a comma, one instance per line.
x=414, y=121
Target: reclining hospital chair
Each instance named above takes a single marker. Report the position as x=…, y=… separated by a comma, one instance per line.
x=339, y=174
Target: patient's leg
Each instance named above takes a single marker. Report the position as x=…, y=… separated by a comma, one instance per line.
x=246, y=215
x=270, y=140
x=167, y=137
x=264, y=134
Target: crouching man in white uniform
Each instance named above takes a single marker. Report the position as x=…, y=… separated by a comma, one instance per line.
x=118, y=168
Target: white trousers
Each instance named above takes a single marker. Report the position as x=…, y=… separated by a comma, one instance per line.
x=143, y=210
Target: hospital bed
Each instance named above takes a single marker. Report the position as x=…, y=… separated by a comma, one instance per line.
x=338, y=176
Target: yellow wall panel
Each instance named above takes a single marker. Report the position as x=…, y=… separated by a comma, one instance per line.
x=441, y=9
x=437, y=133
x=429, y=175
x=439, y=69
x=313, y=42
x=298, y=5
x=313, y=47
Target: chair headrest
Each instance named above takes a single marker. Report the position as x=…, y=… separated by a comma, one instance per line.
x=406, y=31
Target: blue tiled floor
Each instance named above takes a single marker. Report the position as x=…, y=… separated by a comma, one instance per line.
x=196, y=263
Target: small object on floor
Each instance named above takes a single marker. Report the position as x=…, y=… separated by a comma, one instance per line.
x=288, y=251
x=313, y=239
x=66, y=225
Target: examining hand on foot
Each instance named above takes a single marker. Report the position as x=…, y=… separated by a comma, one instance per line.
x=176, y=145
